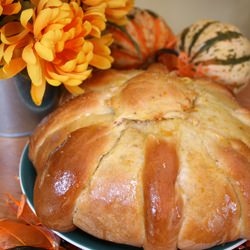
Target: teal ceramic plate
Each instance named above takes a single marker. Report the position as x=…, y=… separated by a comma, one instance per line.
x=78, y=238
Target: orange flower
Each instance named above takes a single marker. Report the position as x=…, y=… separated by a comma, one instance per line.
x=116, y=10
x=53, y=40
x=7, y=7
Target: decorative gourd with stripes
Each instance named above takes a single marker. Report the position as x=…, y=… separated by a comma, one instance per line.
x=220, y=50
x=136, y=43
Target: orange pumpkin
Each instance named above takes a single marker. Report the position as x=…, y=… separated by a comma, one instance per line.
x=138, y=42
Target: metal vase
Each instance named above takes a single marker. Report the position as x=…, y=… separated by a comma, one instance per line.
x=18, y=114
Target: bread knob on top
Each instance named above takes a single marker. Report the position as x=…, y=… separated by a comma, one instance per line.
x=146, y=159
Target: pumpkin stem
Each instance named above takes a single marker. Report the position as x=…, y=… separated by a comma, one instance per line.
x=166, y=51
x=168, y=57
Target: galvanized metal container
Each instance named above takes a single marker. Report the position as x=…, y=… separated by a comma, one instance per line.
x=18, y=114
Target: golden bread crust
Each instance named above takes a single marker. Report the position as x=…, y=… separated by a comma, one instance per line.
x=114, y=197
x=67, y=172
x=148, y=159
x=162, y=204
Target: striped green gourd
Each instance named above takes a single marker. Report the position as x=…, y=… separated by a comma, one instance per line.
x=221, y=49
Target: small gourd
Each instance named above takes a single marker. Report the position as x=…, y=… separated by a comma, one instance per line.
x=137, y=43
x=216, y=50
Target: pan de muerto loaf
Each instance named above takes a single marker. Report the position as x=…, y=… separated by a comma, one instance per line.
x=147, y=159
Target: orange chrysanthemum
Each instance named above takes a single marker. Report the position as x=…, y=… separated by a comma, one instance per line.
x=116, y=10
x=9, y=7
x=57, y=41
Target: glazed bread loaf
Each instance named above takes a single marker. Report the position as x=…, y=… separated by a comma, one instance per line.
x=147, y=159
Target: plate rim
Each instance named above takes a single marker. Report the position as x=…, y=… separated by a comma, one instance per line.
x=61, y=235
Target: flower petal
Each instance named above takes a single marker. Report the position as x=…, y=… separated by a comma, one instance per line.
x=69, y=66
x=100, y=62
x=78, y=76
x=81, y=67
x=1, y=51
x=41, y=4
x=116, y=3
x=42, y=20
x=101, y=49
x=36, y=73
x=12, y=32
x=8, y=53
x=28, y=54
x=74, y=43
x=89, y=56
x=107, y=39
x=37, y=93
x=86, y=28
x=15, y=66
x=26, y=15
x=87, y=46
x=95, y=32
x=92, y=2
x=53, y=82
x=11, y=9
x=119, y=21
x=73, y=82
x=75, y=90
x=44, y=52
x=53, y=3
x=51, y=37
x=52, y=74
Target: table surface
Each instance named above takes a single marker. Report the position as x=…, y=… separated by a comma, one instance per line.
x=10, y=152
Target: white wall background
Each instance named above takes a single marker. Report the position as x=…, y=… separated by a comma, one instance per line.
x=181, y=13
